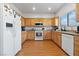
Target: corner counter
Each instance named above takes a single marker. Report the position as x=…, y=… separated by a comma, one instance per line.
x=69, y=43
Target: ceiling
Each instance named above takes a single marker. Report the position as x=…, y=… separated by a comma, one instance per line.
x=40, y=8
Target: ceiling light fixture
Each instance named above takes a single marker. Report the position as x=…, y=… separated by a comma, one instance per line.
x=49, y=8
x=34, y=8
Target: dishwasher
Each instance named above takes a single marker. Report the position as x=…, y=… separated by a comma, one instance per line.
x=68, y=43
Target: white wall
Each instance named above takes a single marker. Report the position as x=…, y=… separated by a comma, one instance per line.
x=67, y=8
x=38, y=15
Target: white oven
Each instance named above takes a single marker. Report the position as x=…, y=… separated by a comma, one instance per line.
x=38, y=35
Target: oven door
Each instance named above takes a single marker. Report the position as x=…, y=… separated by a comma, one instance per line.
x=38, y=35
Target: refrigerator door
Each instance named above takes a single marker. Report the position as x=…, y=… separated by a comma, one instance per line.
x=8, y=46
x=7, y=35
x=17, y=35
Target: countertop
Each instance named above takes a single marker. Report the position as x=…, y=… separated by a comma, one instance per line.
x=68, y=32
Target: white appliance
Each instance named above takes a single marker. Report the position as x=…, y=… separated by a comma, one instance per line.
x=9, y=30
x=39, y=35
x=8, y=40
x=1, y=30
x=17, y=34
x=68, y=43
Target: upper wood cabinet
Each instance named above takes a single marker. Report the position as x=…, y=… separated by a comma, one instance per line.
x=76, y=46
x=41, y=19
x=45, y=21
x=77, y=11
x=27, y=21
x=33, y=21
x=22, y=21
x=55, y=21
x=56, y=37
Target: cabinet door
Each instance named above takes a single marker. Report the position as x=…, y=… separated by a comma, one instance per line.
x=27, y=21
x=22, y=21
x=67, y=43
x=76, y=46
x=77, y=11
x=53, y=21
x=56, y=37
x=41, y=19
x=30, y=35
x=47, y=22
x=23, y=36
x=47, y=35
x=33, y=21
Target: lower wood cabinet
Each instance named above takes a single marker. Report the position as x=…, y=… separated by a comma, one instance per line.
x=30, y=35
x=47, y=35
x=23, y=36
x=69, y=43
x=76, y=46
x=56, y=37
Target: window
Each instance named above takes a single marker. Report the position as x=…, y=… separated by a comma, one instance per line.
x=72, y=18
x=69, y=19
x=63, y=20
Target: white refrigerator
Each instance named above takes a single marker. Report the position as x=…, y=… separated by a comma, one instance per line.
x=10, y=33
x=17, y=34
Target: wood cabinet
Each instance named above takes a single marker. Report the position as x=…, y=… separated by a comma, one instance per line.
x=33, y=21
x=30, y=35
x=47, y=35
x=41, y=19
x=56, y=37
x=76, y=46
x=23, y=36
x=22, y=21
x=55, y=21
x=47, y=22
x=27, y=21
x=77, y=11
x=70, y=44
